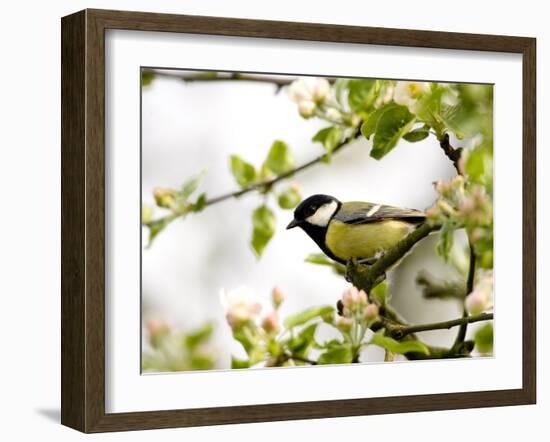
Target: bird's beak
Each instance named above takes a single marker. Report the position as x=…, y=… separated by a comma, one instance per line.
x=292, y=224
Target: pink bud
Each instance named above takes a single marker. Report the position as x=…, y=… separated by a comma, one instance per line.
x=363, y=298
x=476, y=302
x=271, y=323
x=350, y=297
x=277, y=296
x=233, y=320
x=371, y=312
x=344, y=324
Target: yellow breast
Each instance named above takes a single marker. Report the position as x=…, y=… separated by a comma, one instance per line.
x=364, y=240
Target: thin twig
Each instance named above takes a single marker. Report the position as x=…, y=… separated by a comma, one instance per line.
x=266, y=185
x=278, y=82
x=461, y=335
x=400, y=331
x=302, y=359
x=452, y=153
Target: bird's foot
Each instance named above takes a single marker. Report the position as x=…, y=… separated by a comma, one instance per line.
x=351, y=268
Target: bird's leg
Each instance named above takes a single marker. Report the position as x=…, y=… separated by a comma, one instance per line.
x=351, y=268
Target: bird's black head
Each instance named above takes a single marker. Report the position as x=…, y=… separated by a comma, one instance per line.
x=315, y=212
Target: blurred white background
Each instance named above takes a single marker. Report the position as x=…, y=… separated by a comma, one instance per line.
x=190, y=126
x=30, y=277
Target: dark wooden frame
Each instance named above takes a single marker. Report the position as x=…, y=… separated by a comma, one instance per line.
x=83, y=216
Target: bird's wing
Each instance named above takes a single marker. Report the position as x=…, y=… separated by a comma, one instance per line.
x=362, y=213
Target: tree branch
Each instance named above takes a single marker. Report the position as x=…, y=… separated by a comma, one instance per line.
x=398, y=331
x=435, y=288
x=301, y=359
x=266, y=185
x=469, y=288
x=278, y=82
x=368, y=276
x=452, y=153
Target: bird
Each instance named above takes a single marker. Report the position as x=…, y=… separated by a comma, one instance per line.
x=354, y=230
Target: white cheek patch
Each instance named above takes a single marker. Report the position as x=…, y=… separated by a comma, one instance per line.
x=323, y=214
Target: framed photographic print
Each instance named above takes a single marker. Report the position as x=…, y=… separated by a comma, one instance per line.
x=267, y=220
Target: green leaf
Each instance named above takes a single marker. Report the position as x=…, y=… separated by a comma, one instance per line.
x=289, y=198
x=300, y=343
x=239, y=363
x=479, y=166
x=340, y=85
x=445, y=241
x=417, y=135
x=200, y=204
x=362, y=94
x=369, y=126
x=157, y=226
x=380, y=292
x=398, y=347
x=484, y=338
x=329, y=137
x=146, y=214
x=147, y=78
x=264, y=224
x=323, y=260
x=428, y=108
x=341, y=354
x=245, y=339
x=197, y=337
x=191, y=185
x=279, y=159
x=307, y=315
x=391, y=126
x=319, y=258
x=243, y=172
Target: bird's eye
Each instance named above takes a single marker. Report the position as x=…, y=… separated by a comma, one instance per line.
x=310, y=211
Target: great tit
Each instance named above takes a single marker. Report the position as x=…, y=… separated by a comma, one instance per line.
x=354, y=229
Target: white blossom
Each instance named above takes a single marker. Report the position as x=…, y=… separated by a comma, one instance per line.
x=407, y=93
x=306, y=108
x=333, y=114
x=321, y=88
x=300, y=90
x=240, y=305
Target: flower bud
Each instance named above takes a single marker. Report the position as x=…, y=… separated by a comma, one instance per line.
x=442, y=187
x=344, y=324
x=296, y=187
x=481, y=298
x=321, y=89
x=370, y=313
x=350, y=298
x=306, y=108
x=164, y=197
x=271, y=323
x=299, y=91
x=158, y=330
x=432, y=213
x=277, y=296
x=476, y=302
x=333, y=114
x=146, y=214
x=363, y=298
x=240, y=306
